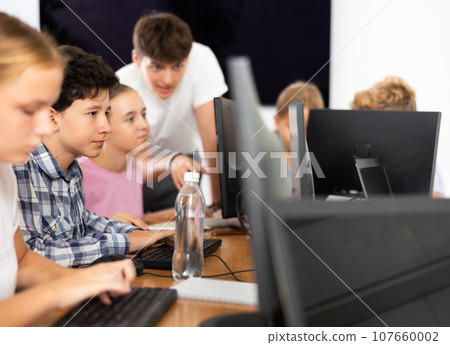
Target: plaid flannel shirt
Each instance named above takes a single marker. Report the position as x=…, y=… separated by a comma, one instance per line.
x=55, y=221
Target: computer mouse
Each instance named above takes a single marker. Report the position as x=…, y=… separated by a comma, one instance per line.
x=116, y=257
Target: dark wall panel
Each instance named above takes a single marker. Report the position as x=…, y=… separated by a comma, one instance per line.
x=286, y=40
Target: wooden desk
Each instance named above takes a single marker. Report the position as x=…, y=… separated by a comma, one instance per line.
x=236, y=252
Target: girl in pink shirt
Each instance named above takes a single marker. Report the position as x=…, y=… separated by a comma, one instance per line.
x=109, y=192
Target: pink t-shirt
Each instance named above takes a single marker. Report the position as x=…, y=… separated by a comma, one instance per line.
x=108, y=192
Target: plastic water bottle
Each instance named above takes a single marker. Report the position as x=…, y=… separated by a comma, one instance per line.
x=190, y=211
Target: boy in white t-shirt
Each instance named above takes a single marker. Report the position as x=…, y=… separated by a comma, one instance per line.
x=178, y=80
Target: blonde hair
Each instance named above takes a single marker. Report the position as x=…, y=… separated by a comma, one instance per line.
x=309, y=93
x=392, y=93
x=22, y=47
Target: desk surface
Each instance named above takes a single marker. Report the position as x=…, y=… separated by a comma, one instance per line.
x=235, y=251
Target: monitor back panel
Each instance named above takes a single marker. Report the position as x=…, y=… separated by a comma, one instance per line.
x=388, y=252
x=406, y=143
x=254, y=138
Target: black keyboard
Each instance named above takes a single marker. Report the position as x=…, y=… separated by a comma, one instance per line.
x=141, y=307
x=160, y=258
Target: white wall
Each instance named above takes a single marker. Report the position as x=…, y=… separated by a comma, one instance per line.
x=407, y=38
x=26, y=10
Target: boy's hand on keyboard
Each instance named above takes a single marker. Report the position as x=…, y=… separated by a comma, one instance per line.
x=141, y=239
x=99, y=280
x=129, y=218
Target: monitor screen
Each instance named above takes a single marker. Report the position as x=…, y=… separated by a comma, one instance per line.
x=229, y=172
x=369, y=261
x=406, y=143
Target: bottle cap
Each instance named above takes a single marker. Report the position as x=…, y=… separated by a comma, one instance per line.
x=191, y=176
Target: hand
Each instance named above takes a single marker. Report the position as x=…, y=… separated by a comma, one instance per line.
x=208, y=213
x=140, y=239
x=180, y=165
x=159, y=216
x=98, y=280
x=436, y=195
x=214, y=210
x=129, y=218
x=214, y=213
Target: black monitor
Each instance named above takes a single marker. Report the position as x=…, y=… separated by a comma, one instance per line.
x=369, y=263
x=301, y=167
x=227, y=148
x=404, y=141
x=255, y=139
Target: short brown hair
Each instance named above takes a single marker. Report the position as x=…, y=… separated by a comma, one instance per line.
x=163, y=37
x=309, y=93
x=119, y=90
x=85, y=76
x=393, y=93
x=22, y=47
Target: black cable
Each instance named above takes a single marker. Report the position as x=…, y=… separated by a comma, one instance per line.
x=157, y=275
x=228, y=268
x=212, y=276
x=239, y=217
x=226, y=274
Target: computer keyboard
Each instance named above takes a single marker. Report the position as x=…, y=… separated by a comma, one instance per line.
x=209, y=223
x=160, y=258
x=141, y=307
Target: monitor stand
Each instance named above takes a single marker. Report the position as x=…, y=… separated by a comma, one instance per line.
x=242, y=320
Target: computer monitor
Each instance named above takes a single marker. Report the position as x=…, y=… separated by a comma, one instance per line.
x=405, y=142
x=227, y=147
x=371, y=263
x=301, y=168
x=256, y=140
x=255, y=143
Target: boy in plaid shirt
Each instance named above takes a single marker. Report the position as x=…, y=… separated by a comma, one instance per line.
x=55, y=221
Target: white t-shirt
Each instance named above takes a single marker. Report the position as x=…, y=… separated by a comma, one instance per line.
x=173, y=125
x=9, y=221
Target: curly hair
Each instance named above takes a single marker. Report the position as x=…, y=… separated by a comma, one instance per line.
x=85, y=76
x=393, y=93
x=309, y=93
x=163, y=37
